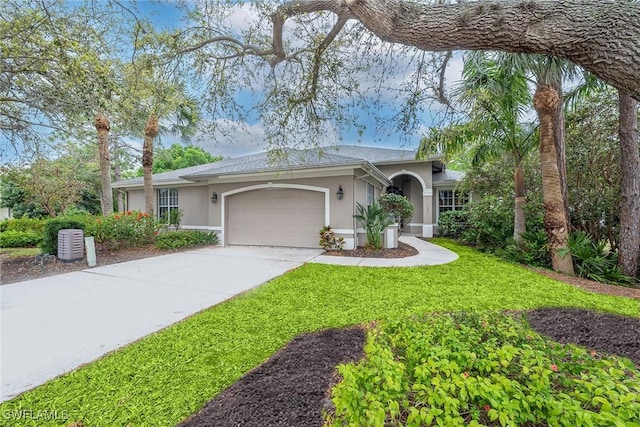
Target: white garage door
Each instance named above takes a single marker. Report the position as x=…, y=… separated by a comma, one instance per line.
x=275, y=217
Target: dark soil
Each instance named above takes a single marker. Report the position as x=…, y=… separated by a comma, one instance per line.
x=403, y=250
x=17, y=269
x=606, y=333
x=292, y=387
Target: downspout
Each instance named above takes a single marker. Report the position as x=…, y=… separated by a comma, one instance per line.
x=355, y=222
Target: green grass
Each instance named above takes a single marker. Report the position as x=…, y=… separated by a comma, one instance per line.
x=18, y=252
x=167, y=376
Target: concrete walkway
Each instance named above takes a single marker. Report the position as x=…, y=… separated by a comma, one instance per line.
x=52, y=325
x=428, y=254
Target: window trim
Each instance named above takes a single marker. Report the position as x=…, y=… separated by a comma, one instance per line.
x=455, y=204
x=170, y=202
x=372, y=195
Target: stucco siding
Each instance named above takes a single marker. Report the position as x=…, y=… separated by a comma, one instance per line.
x=193, y=202
x=135, y=200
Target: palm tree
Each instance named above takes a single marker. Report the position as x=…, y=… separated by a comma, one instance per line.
x=163, y=102
x=496, y=99
x=102, y=128
x=548, y=73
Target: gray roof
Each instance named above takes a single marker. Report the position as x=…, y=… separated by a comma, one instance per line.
x=447, y=176
x=294, y=159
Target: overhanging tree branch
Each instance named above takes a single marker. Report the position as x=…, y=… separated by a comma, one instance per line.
x=591, y=33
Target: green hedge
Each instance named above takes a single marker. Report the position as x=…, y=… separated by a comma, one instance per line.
x=185, y=239
x=22, y=224
x=49, y=244
x=481, y=369
x=19, y=239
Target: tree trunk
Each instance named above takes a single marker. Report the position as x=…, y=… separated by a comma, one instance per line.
x=629, y=242
x=102, y=127
x=150, y=132
x=545, y=101
x=601, y=36
x=558, y=135
x=117, y=174
x=519, y=224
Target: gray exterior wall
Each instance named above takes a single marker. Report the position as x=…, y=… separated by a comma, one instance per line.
x=193, y=201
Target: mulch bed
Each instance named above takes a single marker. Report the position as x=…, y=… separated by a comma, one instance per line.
x=292, y=387
x=590, y=285
x=18, y=269
x=403, y=250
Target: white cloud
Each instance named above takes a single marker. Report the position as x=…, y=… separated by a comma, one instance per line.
x=232, y=139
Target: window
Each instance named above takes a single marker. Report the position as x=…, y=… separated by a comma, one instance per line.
x=451, y=200
x=370, y=194
x=167, y=203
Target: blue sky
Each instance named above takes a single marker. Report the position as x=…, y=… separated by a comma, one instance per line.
x=166, y=15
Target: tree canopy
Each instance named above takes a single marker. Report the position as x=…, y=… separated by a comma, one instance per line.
x=179, y=156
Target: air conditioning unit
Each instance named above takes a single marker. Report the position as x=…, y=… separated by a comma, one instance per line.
x=70, y=245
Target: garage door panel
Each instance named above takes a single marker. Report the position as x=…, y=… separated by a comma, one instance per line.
x=275, y=217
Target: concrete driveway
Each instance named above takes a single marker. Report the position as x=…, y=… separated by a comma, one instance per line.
x=52, y=325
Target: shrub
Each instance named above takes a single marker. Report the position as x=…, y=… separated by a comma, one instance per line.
x=131, y=228
x=481, y=369
x=328, y=239
x=452, y=223
x=49, y=244
x=374, y=220
x=593, y=261
x=532, y=250
x=490, y=222
x=22, y=224
x=185, y=239
x=398, y=206
x=19, y=239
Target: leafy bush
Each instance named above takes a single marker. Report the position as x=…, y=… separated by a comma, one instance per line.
x=49, y=244
x=452, y=223
x=124, y=229
x=328, y=239
x=22, y=224
x=374, y=220
x=185, y=239
x=398, y=206
x=481, y=369
x=19, y=239
x=490, y=222
x=592, y=260
x=533, y=250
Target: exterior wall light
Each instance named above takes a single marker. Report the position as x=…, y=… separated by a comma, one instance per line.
x=340, y=193
x=214, y=197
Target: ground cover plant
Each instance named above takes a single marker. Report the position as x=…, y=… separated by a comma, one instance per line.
x=168, y=376
x=471, y=368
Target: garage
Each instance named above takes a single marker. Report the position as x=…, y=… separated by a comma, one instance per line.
x=275, y=217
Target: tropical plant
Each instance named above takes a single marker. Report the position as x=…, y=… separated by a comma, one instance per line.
x=593, y=260
x=531, y=250
x=375, y=220
x=496, y=98
x=399, y=206
x=329, y=241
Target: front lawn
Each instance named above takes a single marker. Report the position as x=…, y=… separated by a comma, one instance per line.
x=165, y=377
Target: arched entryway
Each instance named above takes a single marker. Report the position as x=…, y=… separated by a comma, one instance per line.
x=414, y=187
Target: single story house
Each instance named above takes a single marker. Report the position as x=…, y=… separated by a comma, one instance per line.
x=261, y=200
